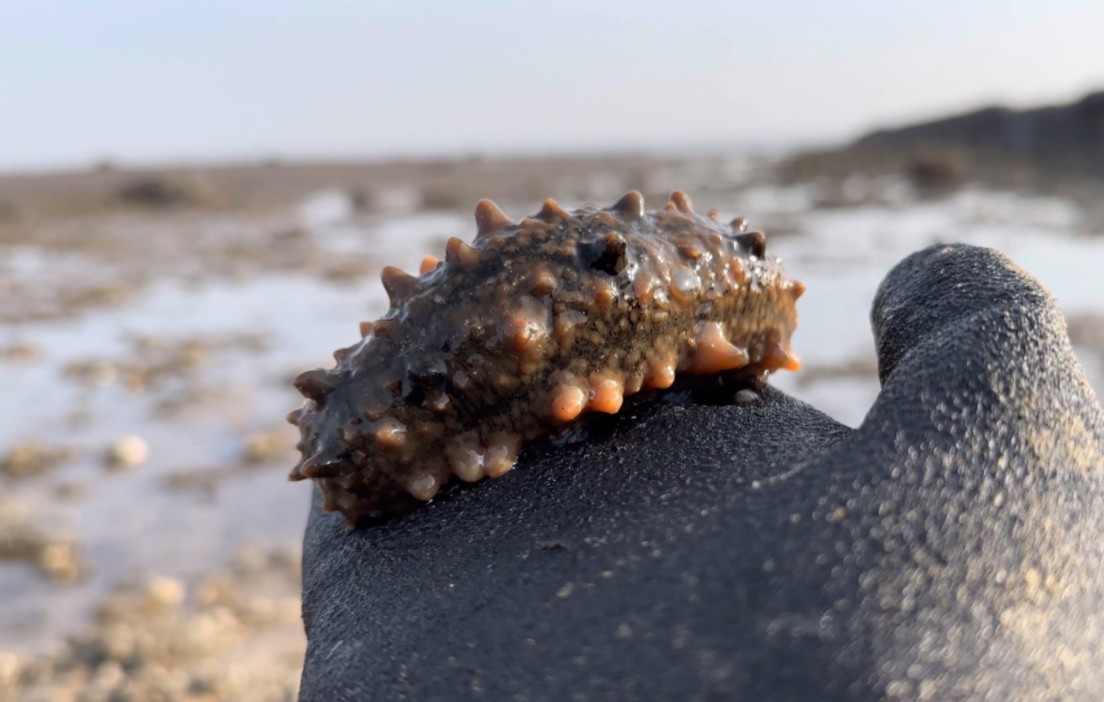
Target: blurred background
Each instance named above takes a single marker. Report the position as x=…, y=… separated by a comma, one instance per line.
x=195, y=201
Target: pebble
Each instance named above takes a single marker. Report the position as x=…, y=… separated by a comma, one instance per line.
x=127, y=452
x=9, y=669
x=262, y=446
x=58, y=560
x=165, y=593
x=31, y=458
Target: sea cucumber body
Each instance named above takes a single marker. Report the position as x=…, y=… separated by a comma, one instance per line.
x=517, y=335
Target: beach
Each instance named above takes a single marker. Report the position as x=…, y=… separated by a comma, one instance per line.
x=151, y=322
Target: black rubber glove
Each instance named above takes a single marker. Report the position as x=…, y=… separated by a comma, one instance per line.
x=743, y=545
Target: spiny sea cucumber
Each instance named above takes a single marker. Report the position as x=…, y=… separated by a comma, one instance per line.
x=532, y=325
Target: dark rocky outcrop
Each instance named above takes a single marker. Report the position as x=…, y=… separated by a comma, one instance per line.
x=1067, y=138
x=1050, y=149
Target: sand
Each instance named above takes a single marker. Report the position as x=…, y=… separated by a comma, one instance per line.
x=151, y=322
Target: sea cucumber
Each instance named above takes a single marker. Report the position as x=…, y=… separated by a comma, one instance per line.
x=532, y=325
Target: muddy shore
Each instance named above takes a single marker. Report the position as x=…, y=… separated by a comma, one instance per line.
x=151, y=321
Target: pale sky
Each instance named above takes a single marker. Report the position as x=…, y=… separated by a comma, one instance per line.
x=141, y=81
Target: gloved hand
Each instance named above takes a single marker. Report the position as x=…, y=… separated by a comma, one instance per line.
x=742, y=545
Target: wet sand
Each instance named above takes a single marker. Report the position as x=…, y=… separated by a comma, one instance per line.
x=150, y=324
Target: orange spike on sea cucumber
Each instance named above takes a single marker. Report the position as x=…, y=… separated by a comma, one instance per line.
x=489, y=218
x=606, y=395
x=398, y=283
x=315, y=384
x=606, y=218
x=319, y=466
x=428, y=264
x=552, y=210
x=714, y=353
x=501, y=454
x=682, y=202
x=777, y=357
x=391, y=434
x=366, y=329
x=661, y=373
x=568, y=402
x=631, y=206
x=466, y=462
x=423, y=487
x=456, y=251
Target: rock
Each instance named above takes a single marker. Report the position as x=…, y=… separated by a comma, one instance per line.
x=71, y=490
x=59, y=561
x=32, y=458
x=1063, y=138
x=98, y=373
x=1087, y=330
x=250, y=560
x=164, y=593
x=9, y=670
x=108, y=678
x=20, y=353
x=127, y=452
x=936, y=172
x=160, y=191
x=262, y=446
